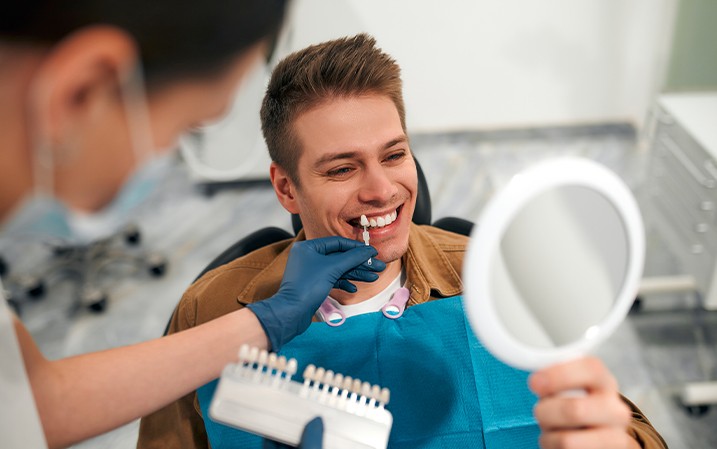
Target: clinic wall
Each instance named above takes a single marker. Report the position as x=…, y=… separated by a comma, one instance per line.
x=693, y=65
x=485, y=64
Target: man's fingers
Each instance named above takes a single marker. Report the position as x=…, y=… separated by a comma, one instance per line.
x=603, y=409
x=598, y=438
x=588, y=373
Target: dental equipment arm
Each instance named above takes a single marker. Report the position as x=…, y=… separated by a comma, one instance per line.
x=313, y=269
x=86, y=395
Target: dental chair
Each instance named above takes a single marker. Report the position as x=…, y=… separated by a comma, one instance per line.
x=267, y=236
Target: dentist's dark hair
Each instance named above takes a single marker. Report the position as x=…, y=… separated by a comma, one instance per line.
x=176, y=38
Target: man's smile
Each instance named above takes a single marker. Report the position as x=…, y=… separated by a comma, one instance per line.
x=377, y=220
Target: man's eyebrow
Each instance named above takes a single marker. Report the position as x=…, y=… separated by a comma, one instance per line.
x=354, y=154
x=332, y=157
x=403, y=138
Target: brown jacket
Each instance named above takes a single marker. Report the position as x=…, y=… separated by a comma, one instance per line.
x=433, y=263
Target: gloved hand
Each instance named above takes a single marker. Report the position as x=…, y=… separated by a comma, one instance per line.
x=310, y=439
x=313, y=269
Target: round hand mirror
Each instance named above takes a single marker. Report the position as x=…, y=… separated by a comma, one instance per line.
x=554, y=263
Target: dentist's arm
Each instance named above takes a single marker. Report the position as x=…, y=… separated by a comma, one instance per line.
x=83, y=396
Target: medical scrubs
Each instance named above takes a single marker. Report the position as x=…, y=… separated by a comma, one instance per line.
x=19, y=421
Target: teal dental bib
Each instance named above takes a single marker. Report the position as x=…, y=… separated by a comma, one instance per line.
x=447, y=391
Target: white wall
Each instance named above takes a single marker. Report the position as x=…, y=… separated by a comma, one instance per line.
x=475, y=64
x=485, y=64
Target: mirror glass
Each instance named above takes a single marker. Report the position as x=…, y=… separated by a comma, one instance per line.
x=554, y=263
x=581, y=253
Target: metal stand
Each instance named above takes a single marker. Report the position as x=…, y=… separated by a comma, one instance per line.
x=695, y=397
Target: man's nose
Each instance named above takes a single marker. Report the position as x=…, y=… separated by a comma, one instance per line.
x=377, y=186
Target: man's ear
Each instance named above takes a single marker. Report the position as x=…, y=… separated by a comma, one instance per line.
x=79, y=80
x=285, y=189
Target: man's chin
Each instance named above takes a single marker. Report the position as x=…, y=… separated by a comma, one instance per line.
x=390, y=255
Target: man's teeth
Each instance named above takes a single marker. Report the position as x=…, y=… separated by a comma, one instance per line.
x=379, y=222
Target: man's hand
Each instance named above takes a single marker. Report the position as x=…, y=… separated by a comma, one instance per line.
x=313, y=269
x=599, y=419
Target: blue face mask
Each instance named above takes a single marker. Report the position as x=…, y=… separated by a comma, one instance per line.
x=44, y=215
x=39, y=214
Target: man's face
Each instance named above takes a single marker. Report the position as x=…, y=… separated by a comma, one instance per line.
x=356, y=161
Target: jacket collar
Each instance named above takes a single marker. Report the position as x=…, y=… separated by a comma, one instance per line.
x=428, y=270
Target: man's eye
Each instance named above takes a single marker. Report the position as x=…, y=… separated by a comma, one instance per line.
x=396, y=156
x=339, y=171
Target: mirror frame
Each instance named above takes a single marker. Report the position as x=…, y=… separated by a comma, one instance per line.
x=493, y=223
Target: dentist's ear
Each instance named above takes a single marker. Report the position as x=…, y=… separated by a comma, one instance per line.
x=78, y=81
x=285, y=189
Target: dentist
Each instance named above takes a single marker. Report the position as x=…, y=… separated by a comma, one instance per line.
x=87, y=89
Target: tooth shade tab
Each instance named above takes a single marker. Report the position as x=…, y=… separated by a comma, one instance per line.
x=364, y=220
x=356, y=386
x=385, y=396
x=338, y=380
x=309, y=372
x=375, y=392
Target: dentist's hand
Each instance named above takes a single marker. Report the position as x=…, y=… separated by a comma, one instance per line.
x=597, y=420
x=310, y=439
x=313, y=269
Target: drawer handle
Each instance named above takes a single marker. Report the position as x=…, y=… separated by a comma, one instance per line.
x=702, y=228
x=710, y=167
x=684, y=160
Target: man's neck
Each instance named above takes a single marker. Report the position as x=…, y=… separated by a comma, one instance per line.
x=367, y=290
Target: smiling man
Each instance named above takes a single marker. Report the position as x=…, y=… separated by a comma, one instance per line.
x=355, y=160
x=334, y=122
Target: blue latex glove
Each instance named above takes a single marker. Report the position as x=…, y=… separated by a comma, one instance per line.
x=310, y=439
x=313, y=269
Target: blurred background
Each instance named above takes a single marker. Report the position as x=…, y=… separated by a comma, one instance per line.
x=490, y=87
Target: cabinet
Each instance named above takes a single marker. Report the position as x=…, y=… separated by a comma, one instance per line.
x=681, y=188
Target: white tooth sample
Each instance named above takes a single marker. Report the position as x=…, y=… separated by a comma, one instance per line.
x=373, y=223
x=380, y=222
x=364, y=220
x=388, y=219
x=394, y=215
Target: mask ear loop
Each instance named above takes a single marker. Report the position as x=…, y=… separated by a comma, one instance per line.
x=41, y=156
x=134, y=97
